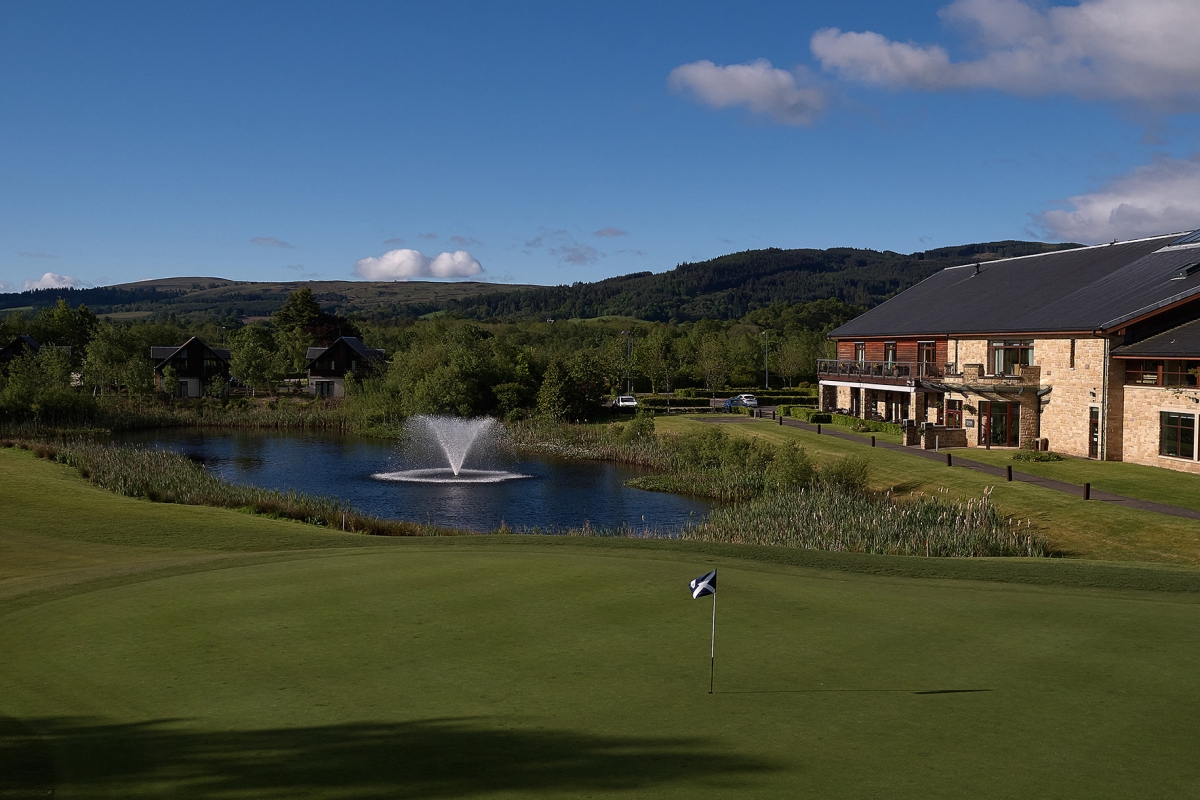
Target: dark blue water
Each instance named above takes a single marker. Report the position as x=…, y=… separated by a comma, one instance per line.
x=558, y=494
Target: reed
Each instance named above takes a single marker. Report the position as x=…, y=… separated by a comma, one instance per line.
x=824, y=516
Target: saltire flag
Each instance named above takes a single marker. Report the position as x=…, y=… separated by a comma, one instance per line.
x=704, y=585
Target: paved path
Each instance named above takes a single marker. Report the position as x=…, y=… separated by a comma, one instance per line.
x=965, y=463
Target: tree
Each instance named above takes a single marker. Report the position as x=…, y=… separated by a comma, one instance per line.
x=300, y=310
x=254, y=359
x=790, y=359
x=116, y=358
x=712, y=359
x=652, y=355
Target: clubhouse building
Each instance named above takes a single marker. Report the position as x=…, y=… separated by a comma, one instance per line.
x=1091, y=352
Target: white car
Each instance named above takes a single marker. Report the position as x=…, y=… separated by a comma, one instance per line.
x=626, y=401
x=746, y=400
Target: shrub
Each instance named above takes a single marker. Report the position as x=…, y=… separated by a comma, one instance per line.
x=1036, y=455
x=850, y=473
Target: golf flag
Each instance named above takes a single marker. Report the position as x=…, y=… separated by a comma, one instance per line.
x=704, y=585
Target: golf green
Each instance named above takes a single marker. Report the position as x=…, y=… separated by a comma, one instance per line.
x=420, y=670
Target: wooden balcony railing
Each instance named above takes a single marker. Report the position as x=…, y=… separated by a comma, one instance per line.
x=893, y=370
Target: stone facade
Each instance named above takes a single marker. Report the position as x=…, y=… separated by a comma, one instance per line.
x=1074, y=391
x=1142, y=406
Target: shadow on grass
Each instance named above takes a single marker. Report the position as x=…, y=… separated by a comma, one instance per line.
x=425, y=758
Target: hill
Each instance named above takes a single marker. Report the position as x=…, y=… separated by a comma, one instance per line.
x=208, y=297
x=731, y=286
x=727, y=287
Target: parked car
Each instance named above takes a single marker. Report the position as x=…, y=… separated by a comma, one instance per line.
x=741, y=401
x=626, y=401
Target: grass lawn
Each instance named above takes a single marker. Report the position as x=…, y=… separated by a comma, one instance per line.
x=1089, y=530
x=1132, y=480
x=210, y=654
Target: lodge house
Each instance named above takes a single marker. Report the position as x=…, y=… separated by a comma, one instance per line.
x=1091, y=352
x=328, y=366
x=196, y=365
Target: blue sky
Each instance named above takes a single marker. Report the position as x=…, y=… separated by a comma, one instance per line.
x=550, y=143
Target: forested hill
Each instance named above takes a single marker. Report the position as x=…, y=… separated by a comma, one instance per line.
x=725, y=288
x=730, y=286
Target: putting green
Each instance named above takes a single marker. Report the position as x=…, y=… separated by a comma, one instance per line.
x=420, y=670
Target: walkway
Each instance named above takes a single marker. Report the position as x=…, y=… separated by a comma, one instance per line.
x=987, y=469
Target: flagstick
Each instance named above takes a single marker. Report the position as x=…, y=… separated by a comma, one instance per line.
x=712, y=653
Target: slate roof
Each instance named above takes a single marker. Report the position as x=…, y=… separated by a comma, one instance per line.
x=354, y=343
x=161, y=354
x=1085, y=289
x=1181, y=342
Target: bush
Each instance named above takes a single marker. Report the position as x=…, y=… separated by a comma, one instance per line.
x=641, y=427
x=812, y=415
x=851, y=473
x=867, y=425
x=1036, y=455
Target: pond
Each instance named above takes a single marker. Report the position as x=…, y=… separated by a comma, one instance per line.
x=552, y=494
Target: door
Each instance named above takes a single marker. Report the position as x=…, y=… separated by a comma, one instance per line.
x=1094, y=432
x=999, y=424
x=927, y=356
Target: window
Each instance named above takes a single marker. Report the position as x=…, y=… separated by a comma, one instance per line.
x=860, y=351
x=889, y=352
x=1161, y=373
x=1179, y=373
x=1006, y=357
x=1177, y=435
x=1072, y=354
x=324, y=388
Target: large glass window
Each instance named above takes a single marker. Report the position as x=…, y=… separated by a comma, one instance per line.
x=1006, y=356
x=1177, y=435
x=1179, y=373
x=860, y=351
x=1161, y=373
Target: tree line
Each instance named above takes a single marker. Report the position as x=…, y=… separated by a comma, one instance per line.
x=562, y=369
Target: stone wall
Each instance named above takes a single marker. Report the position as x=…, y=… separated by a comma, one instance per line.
x=1142, y=405
x=1065, y=411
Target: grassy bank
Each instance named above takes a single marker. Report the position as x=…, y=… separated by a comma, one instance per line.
x=165, y=477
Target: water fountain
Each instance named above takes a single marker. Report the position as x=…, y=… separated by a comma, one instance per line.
x=453, y=439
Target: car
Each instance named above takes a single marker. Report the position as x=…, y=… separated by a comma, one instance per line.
x=741, y=401
x=626, y=401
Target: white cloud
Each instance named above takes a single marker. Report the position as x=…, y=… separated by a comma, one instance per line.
x=1161, y=197
x=1140, y=51
x=5, y=286
x=405, y=264
x=575, y=253
x=756, y=86
x=270, y=241
x=53, y=281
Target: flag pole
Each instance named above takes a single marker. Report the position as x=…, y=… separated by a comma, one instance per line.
x=712, y=653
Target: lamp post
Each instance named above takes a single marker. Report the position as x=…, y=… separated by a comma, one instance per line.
x=628, y=361
x=767, y=358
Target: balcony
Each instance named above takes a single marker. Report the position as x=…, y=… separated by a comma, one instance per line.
x=901, y=373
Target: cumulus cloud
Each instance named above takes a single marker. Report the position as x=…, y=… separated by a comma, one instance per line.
x=405, y=264
x=608, y=233
x=786, y=97
x=1139, y=51
x=52, y=280
x=24, y=254
x=270, y=241
x=5, y=286
x=1161, y=197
